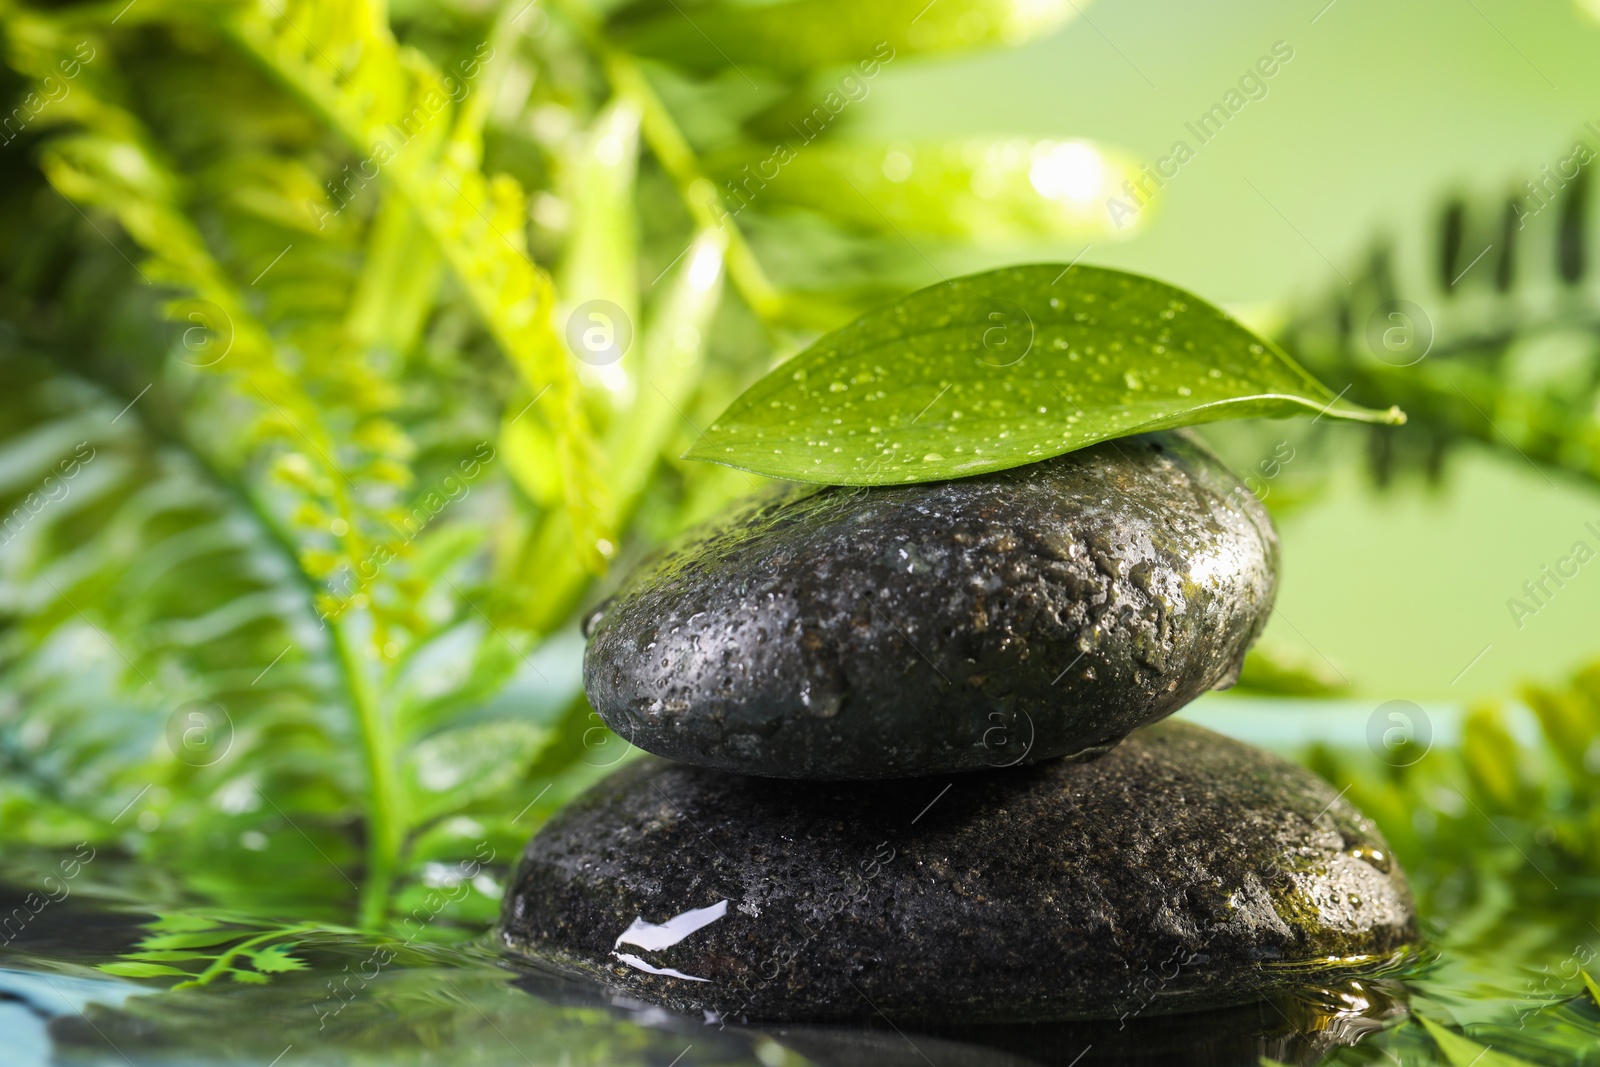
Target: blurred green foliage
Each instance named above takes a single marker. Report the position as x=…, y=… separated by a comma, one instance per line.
x=1482, y=321
x=371, y=338
x=1494, y=830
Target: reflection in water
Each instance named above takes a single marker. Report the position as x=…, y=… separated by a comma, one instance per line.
x=31, y=1000
x=466, y=1004
x=427, y=1004
x=1299, y=1029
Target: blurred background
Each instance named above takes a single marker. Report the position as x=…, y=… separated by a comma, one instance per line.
x=1382, y=115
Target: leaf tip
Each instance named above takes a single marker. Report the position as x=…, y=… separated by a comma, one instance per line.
x=706, y=449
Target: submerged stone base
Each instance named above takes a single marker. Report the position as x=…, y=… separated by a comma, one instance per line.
x=1181, y=871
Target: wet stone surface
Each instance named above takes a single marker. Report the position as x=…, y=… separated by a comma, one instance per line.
x=985, y=622
x=1181, y=871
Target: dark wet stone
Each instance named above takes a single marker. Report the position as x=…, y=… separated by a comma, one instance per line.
x=1179, y=872
x=985, y=622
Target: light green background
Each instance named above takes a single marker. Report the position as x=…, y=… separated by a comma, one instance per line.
x=1384, y=107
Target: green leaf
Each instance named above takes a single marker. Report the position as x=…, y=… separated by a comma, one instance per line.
x=274, y=959
x=1593, y=987
x=602, y=249
x=995, y=370
x=181, y=922
x=1273, y=668
x=450, y=769
x=800, y=35
x=983, y=189
x=168, y=955
x=142, y=970
x=673, y=350
x=194, y=940
x=1464, y=1052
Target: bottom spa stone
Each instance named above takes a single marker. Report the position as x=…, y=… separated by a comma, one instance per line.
x=1181, y=871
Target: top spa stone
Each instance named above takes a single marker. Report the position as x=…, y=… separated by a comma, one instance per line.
x=838, y=633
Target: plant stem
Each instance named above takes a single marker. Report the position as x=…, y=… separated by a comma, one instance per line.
x=383, y=827
x=385, y=820
x=220, y=965
x=696, y=190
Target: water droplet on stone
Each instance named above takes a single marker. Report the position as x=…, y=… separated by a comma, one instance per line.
x=591, y=620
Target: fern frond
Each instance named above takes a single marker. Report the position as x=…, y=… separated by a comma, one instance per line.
x=390, y=105
x=360, y=317
x=111, y=163
x=1484, y=326
x=166, y=680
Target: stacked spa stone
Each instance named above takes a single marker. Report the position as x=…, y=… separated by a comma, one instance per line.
x=914, y=764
